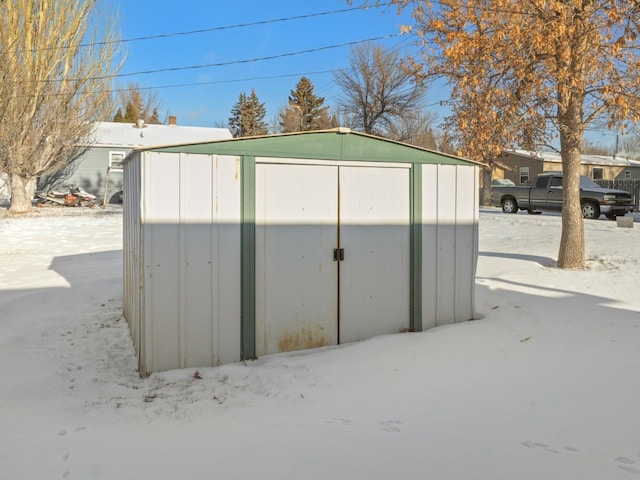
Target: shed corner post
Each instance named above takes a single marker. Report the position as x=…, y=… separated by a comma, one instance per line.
x=248, y=258
x=416, y=248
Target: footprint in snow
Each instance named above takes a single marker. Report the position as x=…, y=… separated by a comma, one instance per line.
x=341, y=421
x=626, y=464
x=548, y=448
x=391, y=425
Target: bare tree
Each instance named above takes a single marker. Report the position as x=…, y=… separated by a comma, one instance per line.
x=377, y=93
x=137, y=103
x=416, y=129
x=57, y=62
x=592, y=148
x=445, y=143
x=629, y=145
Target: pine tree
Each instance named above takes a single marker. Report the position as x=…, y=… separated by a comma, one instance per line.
x=247, y=116
x=118, y=117
x=305, y=110
x=131, y=114
x=139, y=103
x=154, y=119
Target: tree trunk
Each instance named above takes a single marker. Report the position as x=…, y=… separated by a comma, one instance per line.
x=20, y=194
x=571, y=254
x=485, y=195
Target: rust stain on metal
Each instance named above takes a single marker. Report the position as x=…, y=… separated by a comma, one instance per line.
x=236, y=173
x=302, y=339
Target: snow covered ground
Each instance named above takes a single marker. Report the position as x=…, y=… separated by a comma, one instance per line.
x=546, y=385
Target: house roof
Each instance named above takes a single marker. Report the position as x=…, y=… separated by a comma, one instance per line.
x=130, y=135
x=334, y=144
x=604, y=160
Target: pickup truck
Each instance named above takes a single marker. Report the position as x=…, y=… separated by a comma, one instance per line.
x=545, y=194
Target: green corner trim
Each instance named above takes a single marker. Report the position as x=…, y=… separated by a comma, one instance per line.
x=248, y=258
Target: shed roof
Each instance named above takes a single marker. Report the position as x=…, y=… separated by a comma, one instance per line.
x=335, y=144
x=129, y=135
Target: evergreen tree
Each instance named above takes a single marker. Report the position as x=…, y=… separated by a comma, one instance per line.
x=305, y=110
x=131, y=114
x=154, y=119
x=247, y=116
x=118, y=117
x=139, y=103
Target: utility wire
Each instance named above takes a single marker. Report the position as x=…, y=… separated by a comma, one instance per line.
x=240, y=25
x=213, y=82
x=216, y=29
x=233, y=80
x=232, y=62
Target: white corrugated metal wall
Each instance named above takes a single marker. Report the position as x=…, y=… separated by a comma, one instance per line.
x=182, y=266
x=183, y=246
x=132, y=265
x=449, y=243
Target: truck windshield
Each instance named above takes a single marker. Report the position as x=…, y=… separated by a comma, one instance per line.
x=586, y=182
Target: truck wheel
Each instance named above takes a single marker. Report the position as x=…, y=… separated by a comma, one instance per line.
x=531, y=211
x=509, y=205
x=610, y=216
x=590, y=210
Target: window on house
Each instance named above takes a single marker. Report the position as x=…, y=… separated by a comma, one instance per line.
x=598, y=173
x=115, y=159
x=627, y=174
x=524, y=174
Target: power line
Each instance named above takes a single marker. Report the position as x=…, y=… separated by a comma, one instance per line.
x=216, y=29
x=240, y=25
x=234, y=80
x=214, y=82
x=233, y=62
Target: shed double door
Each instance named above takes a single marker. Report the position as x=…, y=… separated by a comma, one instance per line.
x=332, y=254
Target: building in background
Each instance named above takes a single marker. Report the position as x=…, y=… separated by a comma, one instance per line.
x=522, y=166
x=110, y=143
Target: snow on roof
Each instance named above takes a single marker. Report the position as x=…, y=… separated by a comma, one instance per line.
x=554, y=157
x=130, y=135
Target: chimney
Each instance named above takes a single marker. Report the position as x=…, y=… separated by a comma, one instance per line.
x=173, y=120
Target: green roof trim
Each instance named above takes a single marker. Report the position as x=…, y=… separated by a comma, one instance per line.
x=336, y=144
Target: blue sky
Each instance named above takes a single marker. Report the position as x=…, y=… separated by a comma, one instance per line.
x=210, y=93
x=209, y=103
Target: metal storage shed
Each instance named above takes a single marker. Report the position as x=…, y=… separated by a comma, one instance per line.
x=240, y=248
